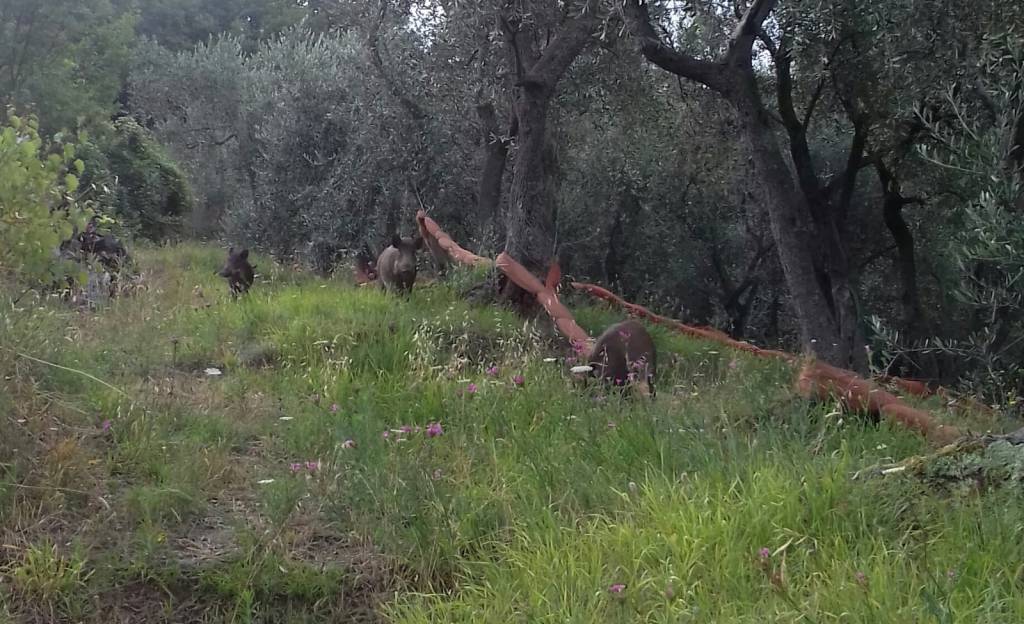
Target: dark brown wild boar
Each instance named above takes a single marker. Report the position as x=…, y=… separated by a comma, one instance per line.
x=238, y=271
x=396, y=265
x=625, y=353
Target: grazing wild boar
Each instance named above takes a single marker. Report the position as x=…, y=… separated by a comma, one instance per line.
x=396, y=265
x=625, y=353
x=105, y=250
x=238, y=272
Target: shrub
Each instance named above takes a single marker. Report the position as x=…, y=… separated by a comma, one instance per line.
x=38, y=211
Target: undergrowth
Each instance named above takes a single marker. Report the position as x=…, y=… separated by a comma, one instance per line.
x=321, y=452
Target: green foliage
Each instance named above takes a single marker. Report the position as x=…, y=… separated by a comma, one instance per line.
x=54, y=579
x=150, y=193
x=530, y=505
x=973, y=151
x=38, y=211
x=64, y=59
x=182, y=24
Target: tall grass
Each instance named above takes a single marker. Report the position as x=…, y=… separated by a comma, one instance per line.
x=300, y=483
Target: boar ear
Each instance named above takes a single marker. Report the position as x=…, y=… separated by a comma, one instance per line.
x=418, y=241
x=244, y=254
x=396, y=241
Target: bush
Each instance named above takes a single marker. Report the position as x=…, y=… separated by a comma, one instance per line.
x=149, y=191
x=38, y=211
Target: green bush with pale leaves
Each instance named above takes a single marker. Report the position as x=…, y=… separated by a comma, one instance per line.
x=38, y=210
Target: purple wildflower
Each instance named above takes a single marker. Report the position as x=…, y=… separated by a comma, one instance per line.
x=764, y=553
x=106, y=425
x=617, y=588
x=434, y=429
x=334, y=408
x=386, y=435
x=493, y=371
x=295, y=466
x=519, y=380
x=471, y=388
x=405, y=429
x=312, y=466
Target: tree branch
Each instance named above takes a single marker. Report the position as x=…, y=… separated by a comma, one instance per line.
x=741, y=43
x=560, y=52
x=799, y=149
x=373, y=44
x=638, y=19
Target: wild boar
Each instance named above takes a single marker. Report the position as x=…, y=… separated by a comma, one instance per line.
x=625, y=353
x=238, y=272
x=396, y=265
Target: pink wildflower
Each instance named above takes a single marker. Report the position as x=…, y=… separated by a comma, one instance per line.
x=334, y=408
x=493, y=371
x=617, y=588
x=296, y=466
x=764, y=553
x=106, y=425
x=519, y=380
x=386, y=435
x=434, y=429
x=405, y=429
x=471, y=388
x=312, y=466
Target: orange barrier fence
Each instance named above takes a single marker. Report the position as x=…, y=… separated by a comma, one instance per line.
x=704, y=333
x=921, y=389
x=430, y=230
x=816, y=380
x=545, y=294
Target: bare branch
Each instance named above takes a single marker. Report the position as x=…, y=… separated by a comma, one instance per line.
x=373, y=44
x=638, y=19
x=216, y=143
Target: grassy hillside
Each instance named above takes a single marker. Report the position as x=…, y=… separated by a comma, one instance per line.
x=357, y=461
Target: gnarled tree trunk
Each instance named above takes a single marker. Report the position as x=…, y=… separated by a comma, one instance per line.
x=808, y=240
x=530, y=219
